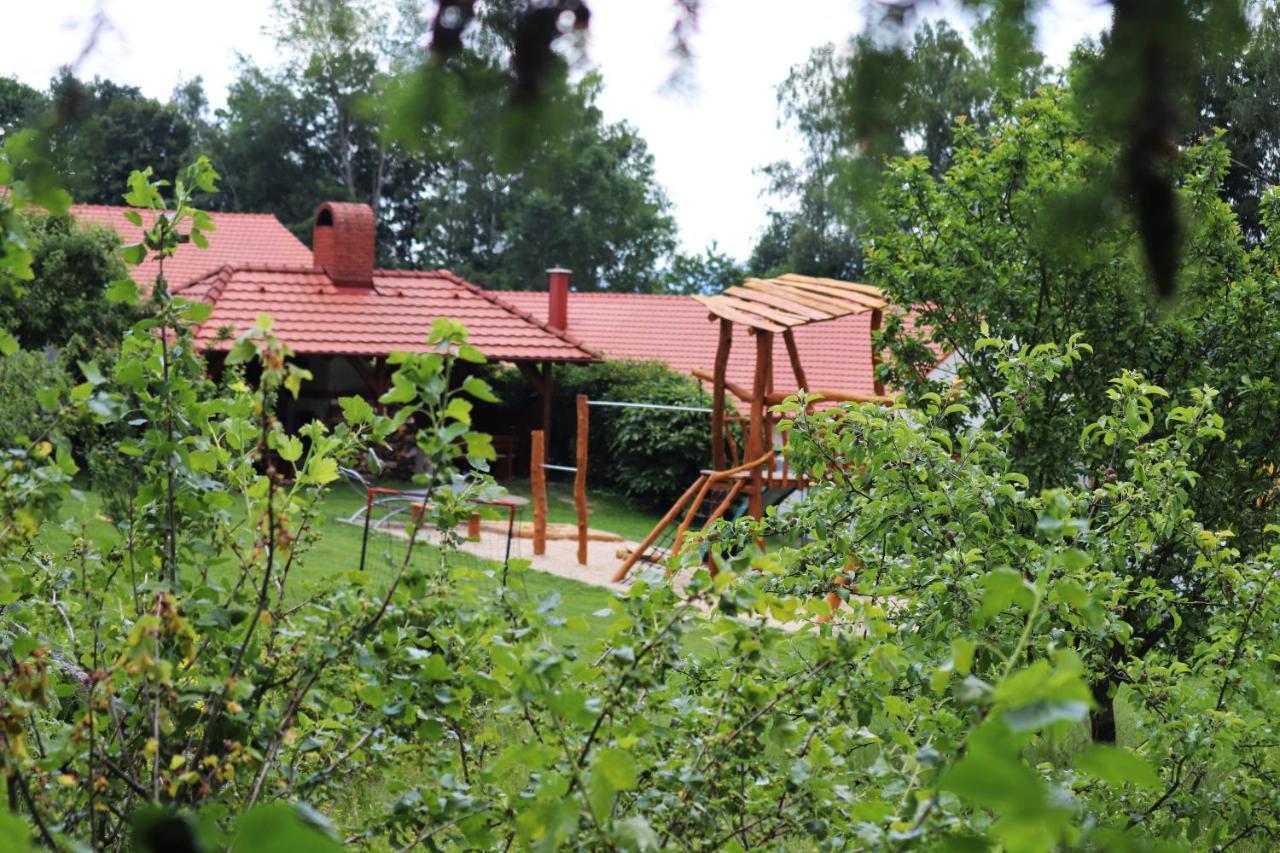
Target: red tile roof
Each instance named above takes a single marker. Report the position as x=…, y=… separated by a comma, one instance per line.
x=835, y=354
x=316, y=316
x=241, y=238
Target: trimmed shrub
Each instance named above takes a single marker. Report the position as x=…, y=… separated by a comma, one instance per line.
x=649, y=456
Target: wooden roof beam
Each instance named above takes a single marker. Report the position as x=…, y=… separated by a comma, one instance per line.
x=770, y=297
x=720, y=307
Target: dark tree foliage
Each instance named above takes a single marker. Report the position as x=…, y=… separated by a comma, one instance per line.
x=1240, y=93
x=937, y=79
x=709, y=272
x=452, y=183
x=20, y=104
x=584, y=196
x=100, y=130
x=269, y=153
x=1012, y=242
x=498, y=178
x=65, y=303
x=1144, y=74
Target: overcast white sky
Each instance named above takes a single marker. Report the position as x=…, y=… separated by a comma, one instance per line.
x=707, y=142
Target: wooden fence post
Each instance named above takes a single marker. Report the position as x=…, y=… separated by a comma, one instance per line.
x=580, y=479
x=538, y=485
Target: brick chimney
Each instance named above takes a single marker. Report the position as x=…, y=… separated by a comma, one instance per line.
x=558, y=300
x=342, y=242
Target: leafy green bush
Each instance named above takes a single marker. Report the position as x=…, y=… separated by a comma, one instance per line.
x=1023, y=677
x=1014, y=241
x=65, y=302
x=22, y=374
x=650, y=456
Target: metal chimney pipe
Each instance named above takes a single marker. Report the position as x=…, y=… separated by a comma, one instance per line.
x=558, y=298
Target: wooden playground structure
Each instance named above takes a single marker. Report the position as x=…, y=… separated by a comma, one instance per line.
x=759, y=477
x=740, y=480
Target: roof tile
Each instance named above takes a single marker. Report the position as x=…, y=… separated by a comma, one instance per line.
x=316, y=316
x=677, y=330
x=240, y=238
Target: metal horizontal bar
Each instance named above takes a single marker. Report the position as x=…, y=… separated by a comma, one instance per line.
x=659, y=406
x=561, y=468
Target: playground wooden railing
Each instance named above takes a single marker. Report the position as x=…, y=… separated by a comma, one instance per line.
x=708, y=481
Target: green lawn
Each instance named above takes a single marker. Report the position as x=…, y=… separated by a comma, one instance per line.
x=337, y=550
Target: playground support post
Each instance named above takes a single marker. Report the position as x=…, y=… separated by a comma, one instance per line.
x=538, y=485
x=580, y=479
x=877, y=318
x=756, y=430
x=717, y=394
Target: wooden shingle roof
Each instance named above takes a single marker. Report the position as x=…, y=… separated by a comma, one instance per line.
x=790, y=300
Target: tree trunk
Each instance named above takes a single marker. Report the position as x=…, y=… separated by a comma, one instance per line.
x=1102, y=719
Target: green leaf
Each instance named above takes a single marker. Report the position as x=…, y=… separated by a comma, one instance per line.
x=322, y=471
x=204, y=461
x=401, y=391
x=134, y=253
x=1118, y=766
x=356, y=409
x=478, y=388
x=1036, y=715
x=14, y=832
x=618, y=767
x=290, y=448
x=1002, y=587
x=992, y=776
x=962, y=649
x=436, y=668
x=480, y=446
x=91, y=372
x=242, y=351
x=459, y=410
x=196, y=311
x=123, y=290
x=23, y=645
x=8, y=343
x=283, y=828
x=635, y=833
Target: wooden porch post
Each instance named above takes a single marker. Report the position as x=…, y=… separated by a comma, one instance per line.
x=580, y=478
x=546, y=401
x=538, y=488
x=877, y=315
x=717, y=395
x=755, y=434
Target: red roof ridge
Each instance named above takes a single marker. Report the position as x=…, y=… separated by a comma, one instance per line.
x=219, y=213
x=418, y=274
x=217, y=280
x=501, y=303
x=580, y=294
x=219, y=283
x=256, y=266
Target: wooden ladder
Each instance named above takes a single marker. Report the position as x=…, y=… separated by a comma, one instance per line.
x=703, y=503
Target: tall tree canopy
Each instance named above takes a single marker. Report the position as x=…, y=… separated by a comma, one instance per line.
x=454, y=189
x=495, y=191
x=100, y=131
x=1014, y=242
x=939, y=80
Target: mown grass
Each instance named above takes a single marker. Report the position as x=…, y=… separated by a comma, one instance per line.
x=605, y=510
